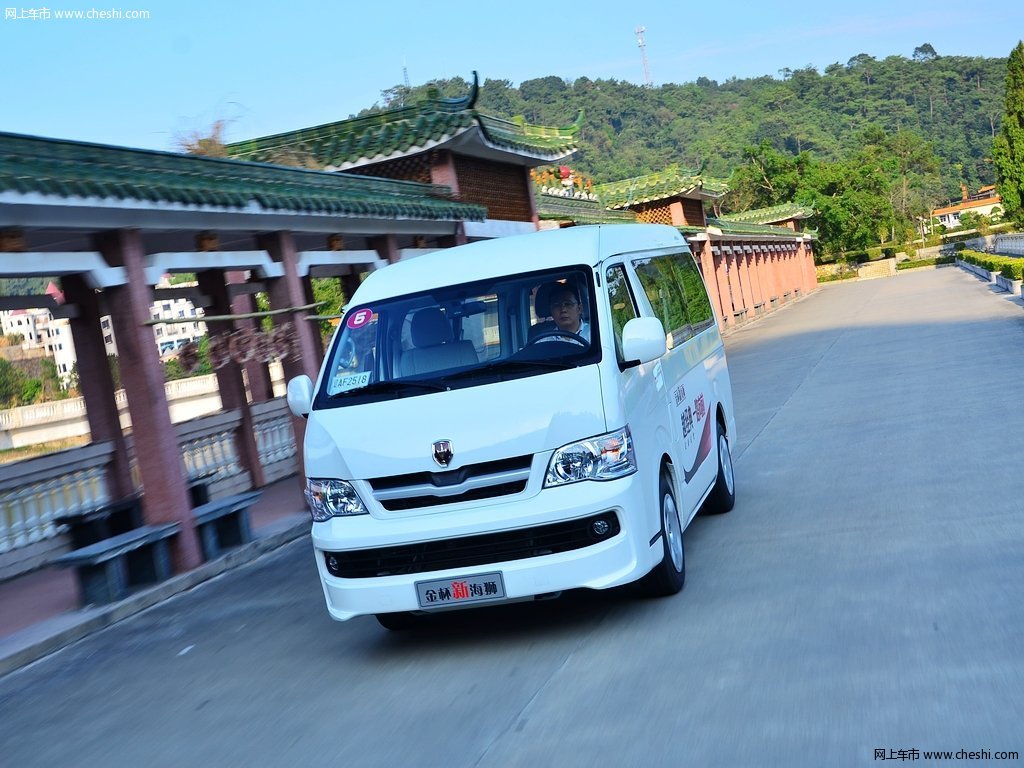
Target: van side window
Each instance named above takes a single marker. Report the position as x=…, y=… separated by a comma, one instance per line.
x=620, y=299
x=658, y=276
x=698, y=307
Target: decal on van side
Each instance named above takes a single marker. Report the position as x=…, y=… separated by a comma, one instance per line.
x=703, y=451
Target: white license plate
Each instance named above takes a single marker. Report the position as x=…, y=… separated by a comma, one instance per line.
x=463, y=590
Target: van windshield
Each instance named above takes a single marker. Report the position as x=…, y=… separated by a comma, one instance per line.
x=463, y=335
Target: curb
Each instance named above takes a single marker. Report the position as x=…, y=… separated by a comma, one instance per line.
x=33, y=643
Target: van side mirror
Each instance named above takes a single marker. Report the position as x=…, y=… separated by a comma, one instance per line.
x=300, y=395
x=643, y=340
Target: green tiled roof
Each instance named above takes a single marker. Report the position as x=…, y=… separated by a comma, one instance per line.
x=771, y=215
x=740, y=228
x=555, y=207
x=672, y=182
x=409, y=130
x=30, y=164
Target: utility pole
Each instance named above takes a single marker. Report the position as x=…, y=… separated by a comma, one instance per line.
x=643, y=54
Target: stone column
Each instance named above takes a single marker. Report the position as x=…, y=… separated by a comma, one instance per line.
x=707, y=266
x=756, y=268
x=157, y=452
x=743, y=264
x=96, y=382
x=386, y=247
x=212, y=283
x=261, y=388
x=722, y=276
x=532, y=197
x=291, y=290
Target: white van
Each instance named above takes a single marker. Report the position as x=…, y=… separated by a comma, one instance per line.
x=509, y=419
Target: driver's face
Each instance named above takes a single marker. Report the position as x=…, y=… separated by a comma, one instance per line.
x=566, y=311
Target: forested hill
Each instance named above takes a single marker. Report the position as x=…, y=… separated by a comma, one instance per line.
x=954, y=102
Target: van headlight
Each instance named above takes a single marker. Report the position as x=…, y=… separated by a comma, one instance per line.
x=605, y=457
x=329, y=498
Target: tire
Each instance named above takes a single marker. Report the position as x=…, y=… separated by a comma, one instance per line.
x=668, y=576
x=723, y=495
x=397, y=622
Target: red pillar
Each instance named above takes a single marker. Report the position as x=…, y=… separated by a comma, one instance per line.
x=811, y=276
x=707, y=267
x=532, y=197
x=757, y=267
x=722, y=277
x=290, y=290
x=229, y=377
x=96, y=382
x=773, y=277
x=743, y=263
x=261, y=388
x=156, y=450
x=386, y=247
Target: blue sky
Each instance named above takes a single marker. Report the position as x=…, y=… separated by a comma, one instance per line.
x=266, y=68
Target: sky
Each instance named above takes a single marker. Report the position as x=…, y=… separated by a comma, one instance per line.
x=266, y=68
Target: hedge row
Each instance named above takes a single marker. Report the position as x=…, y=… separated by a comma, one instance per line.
x=1007, y=266
x=926, y=262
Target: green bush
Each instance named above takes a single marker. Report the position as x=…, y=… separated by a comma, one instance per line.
x=1007, y=266
x=925, y=262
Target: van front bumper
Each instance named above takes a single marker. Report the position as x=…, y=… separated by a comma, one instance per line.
x=619, y=559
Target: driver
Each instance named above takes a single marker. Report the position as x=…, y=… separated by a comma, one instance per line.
x=567, y=312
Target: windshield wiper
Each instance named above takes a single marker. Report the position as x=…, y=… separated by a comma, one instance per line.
x=392, y=385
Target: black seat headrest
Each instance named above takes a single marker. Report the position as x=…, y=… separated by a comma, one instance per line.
x=429, y=328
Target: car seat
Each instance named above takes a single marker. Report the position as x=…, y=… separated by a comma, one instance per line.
x=434, y=346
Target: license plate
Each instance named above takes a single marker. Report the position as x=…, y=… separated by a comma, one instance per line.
x=464, y=590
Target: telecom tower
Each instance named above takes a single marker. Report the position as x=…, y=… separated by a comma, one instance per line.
x=643, y=54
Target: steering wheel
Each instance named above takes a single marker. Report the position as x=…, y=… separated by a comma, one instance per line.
x=559, y=333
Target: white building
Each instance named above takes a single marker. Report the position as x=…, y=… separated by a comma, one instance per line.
x=41, y=330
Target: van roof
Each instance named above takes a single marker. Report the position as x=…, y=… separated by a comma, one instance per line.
x=513, y=255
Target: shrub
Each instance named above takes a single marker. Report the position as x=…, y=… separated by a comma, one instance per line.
x=925, y=262
x=1007, y=266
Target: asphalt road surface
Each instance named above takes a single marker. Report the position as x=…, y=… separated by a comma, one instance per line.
x=866, y=593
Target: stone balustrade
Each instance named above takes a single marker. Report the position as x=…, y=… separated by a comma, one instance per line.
x=34, y=492
x=1010, y=245
x=275, y=439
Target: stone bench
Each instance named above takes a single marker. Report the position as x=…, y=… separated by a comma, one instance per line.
x=224, y=523
x=107, y=569
x=110, y=519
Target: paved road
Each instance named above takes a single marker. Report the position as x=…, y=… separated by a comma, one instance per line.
x=866, y=593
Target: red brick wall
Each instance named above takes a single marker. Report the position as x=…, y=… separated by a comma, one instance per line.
x=499, y=186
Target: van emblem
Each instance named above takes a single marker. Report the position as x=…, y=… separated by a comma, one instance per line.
x=443, y=452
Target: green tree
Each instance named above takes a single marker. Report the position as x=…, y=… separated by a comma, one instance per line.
x=11, y=383
x=1008, y=146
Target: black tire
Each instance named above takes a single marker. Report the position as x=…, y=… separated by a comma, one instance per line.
x=668, y=576
x=397, y=622
x=723, y=496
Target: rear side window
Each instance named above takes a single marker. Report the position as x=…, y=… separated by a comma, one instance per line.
x=620, y=299
x=695, y=295
x=674, y=287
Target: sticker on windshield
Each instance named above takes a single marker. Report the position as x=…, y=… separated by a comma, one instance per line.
x=351, y=381
x=359, y=319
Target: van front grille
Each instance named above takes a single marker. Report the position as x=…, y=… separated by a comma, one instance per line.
x=487, y=480
x=468, y=551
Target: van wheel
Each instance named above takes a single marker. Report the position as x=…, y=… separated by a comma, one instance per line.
x=669, y=575
x=723, y=496
x=397, y=622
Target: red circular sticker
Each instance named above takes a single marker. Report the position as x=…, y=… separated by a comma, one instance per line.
x=360, y=318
